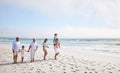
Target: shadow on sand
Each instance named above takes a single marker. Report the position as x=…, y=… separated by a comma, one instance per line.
x=27, y=62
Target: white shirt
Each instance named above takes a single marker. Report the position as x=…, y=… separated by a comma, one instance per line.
x=33, y=45
x=44, y=46
x=16, y=46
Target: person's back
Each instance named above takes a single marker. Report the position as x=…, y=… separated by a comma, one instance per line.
x=33, y=47
x=15, y=49
x=57, y=46
x=16, y=45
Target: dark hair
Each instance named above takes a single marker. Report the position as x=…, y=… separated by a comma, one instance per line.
x=45, y=40
x=55, y=34
x=56, y=39
x=23, y=46
x=17, y=38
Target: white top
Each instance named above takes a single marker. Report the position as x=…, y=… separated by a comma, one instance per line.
x=33, y=45
x=16, y=46
x=44, y=46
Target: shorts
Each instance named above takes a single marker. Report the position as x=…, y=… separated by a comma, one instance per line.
x=56, y=50
x=15, y=53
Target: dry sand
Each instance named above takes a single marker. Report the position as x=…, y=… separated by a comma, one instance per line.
x=67, y=62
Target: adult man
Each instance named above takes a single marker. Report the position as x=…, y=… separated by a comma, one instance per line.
x=15, y=49
x=33, y=47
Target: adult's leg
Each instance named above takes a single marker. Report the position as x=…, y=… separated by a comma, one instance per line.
x=13, y=56
x=16, y=56
x=56, y=54
x=45, y=54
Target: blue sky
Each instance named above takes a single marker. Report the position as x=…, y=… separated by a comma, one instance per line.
x=69, y=18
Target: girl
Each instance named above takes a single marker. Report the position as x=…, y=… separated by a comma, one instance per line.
x=45, y=48
x=22, y=54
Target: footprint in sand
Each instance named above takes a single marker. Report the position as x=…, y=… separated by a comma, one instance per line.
x=64, y=69
x=71, y=67
x=74, y=71
x=119, y=70
x=51, y=68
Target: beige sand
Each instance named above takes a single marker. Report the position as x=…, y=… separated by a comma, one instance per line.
x=68, y=62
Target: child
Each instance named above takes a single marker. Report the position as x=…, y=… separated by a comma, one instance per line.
x=22, y=53
x=45, y=48
x=57, y=46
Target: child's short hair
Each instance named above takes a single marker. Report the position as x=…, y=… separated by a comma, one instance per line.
x=23, y=46
x=55, y=34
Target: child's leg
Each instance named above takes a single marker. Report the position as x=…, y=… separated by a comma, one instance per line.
x=22, y=58
x=33, y=60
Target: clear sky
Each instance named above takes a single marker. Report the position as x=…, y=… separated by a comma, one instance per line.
x=68, y=18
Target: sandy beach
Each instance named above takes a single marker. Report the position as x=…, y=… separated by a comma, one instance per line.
x=67, y=62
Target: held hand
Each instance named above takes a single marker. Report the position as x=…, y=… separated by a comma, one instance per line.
x=35, y=49
x=25, y=50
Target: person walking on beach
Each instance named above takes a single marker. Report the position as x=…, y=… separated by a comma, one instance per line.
x=57, y=47
x=55, y=37
x=22, y=53
x=32, y=48
x=45, y=48
x=15, y=49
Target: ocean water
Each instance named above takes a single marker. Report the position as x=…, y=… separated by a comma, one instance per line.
x=105, y=46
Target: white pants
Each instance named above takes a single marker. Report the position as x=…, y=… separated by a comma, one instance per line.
x=32, y=54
